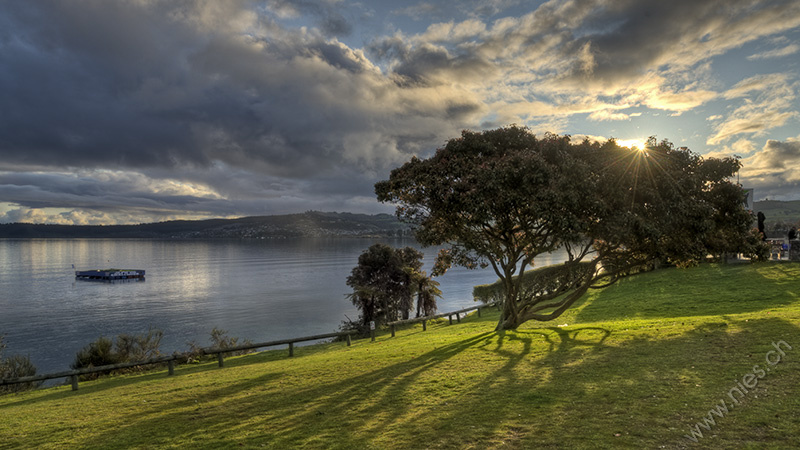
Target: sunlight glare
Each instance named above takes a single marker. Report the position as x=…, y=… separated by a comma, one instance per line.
x=638, y=144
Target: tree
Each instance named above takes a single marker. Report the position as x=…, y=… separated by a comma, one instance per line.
x=385, y=281
x=502, y=197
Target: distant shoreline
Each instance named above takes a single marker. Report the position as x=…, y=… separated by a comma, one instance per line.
x=308, y=224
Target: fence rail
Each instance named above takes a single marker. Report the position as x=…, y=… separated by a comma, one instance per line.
x=220, y=352
x=449, y=316
x=170, y=360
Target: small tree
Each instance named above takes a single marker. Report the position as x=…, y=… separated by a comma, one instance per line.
x=384, y=284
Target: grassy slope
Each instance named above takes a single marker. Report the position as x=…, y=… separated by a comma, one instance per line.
x=635, y=366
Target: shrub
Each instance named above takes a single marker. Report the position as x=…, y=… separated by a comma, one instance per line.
x=125, y=348
x=362, y=329
x=220, y=340
x=17, y=366
x=139, y=347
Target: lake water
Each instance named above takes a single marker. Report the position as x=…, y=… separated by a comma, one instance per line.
x=256, y=289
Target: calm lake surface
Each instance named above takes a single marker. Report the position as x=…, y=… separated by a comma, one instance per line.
x=255, y=289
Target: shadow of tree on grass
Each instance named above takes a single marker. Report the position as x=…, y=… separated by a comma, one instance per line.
x=571, y=387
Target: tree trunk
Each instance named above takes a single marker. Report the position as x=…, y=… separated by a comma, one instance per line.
x=509, y=316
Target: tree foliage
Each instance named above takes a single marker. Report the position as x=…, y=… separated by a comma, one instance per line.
x=502, y=197
x=385, y=283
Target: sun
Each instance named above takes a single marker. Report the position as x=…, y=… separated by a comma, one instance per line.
x=638, y=144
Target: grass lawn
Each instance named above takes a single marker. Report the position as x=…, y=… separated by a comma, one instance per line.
x=636, y=365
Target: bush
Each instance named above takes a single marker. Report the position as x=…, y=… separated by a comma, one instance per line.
x=125, y=348
x=139, y=347
x=16, y=366
x=219, y=340
x=362, y=329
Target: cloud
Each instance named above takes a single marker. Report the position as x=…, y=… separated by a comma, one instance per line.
x=202, y=108
x=327, y=17
x=777, y=53
x=608, y=115
x=418, y=11
x=644, y=53
x=187, y=88
x=774, y=170
x=777, y=155
x=768, y=102
x=118, y=197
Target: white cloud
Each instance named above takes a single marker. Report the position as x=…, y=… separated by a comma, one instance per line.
x=776, y=53
x=768, y=103
x=605, y=115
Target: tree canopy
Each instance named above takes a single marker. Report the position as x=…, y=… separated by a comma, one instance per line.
x=502, y=197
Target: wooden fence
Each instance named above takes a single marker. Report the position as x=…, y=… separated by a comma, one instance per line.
x=449, y=315
x=170, y=360
x=220, y=352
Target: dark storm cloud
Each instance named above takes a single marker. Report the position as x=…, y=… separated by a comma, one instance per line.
x=779, y=155
x=627, y=36
x=430, y=64
x=774, y=170
x=119, y=84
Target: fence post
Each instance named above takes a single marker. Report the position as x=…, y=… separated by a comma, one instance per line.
x=74, y=380
x=479, y=311
x=171, y=367
x=291, y=349
x=392, y=330
x=458, y=317
x=348, y=339
x=450, y=318
x=424, y=325
x=220, y=359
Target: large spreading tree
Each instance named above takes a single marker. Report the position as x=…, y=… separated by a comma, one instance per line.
x=502, y=197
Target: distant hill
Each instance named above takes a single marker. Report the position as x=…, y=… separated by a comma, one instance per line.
x=778, y=211
x=308, y=224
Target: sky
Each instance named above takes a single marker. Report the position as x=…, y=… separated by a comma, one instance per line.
x=135, y=111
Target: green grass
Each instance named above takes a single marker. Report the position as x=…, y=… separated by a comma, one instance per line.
x=633, y=366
